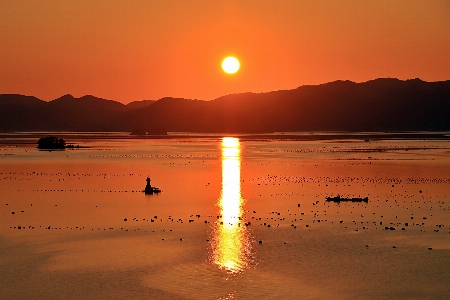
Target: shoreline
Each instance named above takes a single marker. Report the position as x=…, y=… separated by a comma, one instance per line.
x=6, y=138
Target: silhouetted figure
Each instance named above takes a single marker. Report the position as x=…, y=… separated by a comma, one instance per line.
x=149, y=189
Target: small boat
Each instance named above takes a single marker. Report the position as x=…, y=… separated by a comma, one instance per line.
x=339, y=199
x=149, y=189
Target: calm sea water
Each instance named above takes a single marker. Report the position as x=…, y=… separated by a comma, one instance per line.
x=237, y=218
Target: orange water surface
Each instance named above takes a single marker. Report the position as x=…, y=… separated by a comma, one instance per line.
x=237, y=218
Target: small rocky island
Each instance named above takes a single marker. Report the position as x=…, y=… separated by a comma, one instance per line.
x=51, y=142
x=54, y=143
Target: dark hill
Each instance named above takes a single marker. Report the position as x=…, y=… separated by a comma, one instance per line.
x=87, y=102
x=67, y=113
x=376, y=105
x=18, y=112
x=139, y=104
x=19, y=100
x=86, y=113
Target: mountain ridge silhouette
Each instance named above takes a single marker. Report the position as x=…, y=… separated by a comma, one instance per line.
x=384, y=104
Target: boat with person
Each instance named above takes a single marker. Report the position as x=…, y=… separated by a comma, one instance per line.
x=149, y=189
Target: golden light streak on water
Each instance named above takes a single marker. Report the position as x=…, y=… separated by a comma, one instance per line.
x=231, y=240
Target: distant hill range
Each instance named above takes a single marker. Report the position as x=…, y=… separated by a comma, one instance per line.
x=377, y=105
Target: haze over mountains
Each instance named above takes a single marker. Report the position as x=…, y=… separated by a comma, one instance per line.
x=377, y=105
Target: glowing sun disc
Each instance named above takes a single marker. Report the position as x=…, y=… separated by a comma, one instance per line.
x=230, y=65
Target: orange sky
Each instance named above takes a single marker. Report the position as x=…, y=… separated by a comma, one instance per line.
x=134, y=50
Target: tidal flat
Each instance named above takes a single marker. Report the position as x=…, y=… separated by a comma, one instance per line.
x=238, y=217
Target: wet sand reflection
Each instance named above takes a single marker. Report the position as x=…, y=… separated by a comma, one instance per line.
x=231, y=245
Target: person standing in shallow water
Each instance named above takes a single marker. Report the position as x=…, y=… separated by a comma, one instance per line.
x=148, y=187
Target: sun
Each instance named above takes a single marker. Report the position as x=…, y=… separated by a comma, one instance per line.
x=230, y=65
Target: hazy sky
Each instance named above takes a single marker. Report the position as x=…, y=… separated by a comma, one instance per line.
x=134, y=50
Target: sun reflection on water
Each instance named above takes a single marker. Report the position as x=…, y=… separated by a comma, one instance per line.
x=231, y=241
